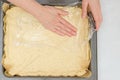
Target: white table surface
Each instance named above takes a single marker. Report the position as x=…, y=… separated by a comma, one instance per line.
x=109, y=41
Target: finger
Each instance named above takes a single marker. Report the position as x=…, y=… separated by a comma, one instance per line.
x=84, y=8
x=97, y=14
x=97, y=26
x=62, y=12
x=98, y=20
x=59, y=29
x=57, y=32
x=68, y=25
x=64, y=30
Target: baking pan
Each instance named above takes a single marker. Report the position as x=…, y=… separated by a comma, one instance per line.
x=93, y=45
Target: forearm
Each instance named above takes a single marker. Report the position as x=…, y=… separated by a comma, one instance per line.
x=31, y=6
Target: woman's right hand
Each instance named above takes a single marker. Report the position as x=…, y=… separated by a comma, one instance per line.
x=51, y=18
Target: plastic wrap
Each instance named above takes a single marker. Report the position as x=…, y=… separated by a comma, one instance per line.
x=92, y=29
x=75, y=3
x=30, y=40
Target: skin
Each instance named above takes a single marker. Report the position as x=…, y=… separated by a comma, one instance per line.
x=51, y=17
x=94, y=6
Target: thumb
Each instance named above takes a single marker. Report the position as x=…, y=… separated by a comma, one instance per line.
x=84, y=8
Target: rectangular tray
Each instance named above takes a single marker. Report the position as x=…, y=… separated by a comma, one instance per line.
x=93, y=43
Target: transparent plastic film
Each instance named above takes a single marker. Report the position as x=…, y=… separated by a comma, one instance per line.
x=91, y=21
x=46, y=50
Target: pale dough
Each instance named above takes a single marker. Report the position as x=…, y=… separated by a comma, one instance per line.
x=32, y=50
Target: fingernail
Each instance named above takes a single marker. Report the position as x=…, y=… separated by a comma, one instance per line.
x=96, y=29
x=83, y=16
x=74, y=33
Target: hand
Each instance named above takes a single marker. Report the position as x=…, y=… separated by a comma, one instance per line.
x=51, y=18
x=94, y=6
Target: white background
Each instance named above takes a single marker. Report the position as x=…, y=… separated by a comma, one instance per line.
x=109, y=41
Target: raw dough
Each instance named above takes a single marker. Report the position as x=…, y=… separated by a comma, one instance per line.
x=32, y=50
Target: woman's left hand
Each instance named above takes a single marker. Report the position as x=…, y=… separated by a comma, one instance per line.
x=95, y=8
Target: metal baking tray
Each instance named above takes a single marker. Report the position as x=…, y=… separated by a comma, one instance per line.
x=93, y=43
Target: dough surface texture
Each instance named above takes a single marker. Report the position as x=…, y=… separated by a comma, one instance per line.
x=32, y=50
